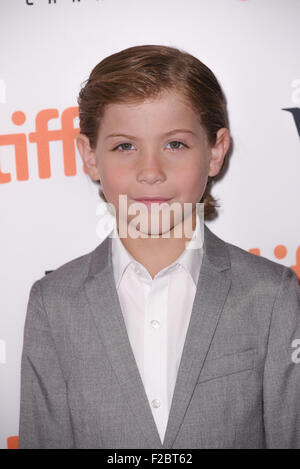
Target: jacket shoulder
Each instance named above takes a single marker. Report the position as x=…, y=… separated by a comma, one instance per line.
x=68, y=277
x=255, y=267
x=248, y=267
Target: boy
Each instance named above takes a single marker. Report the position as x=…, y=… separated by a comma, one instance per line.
x=144, y=343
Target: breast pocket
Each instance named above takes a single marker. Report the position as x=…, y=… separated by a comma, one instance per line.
x=227, y=365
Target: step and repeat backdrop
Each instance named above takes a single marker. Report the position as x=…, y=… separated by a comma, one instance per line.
x=49, y=208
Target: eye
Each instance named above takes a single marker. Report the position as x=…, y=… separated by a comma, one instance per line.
x=127, y=144
x=121, y=144
x=177, y=148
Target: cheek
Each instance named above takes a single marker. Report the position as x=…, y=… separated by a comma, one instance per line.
x=193, y=179
x=114, y=177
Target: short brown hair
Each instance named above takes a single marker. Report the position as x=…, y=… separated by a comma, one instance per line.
x=140, y=72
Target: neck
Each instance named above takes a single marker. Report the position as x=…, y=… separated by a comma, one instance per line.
x=156, y=253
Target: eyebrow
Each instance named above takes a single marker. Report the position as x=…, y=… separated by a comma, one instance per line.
x=163, y=135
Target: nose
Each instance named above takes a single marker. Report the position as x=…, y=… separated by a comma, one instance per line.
x=150, y=169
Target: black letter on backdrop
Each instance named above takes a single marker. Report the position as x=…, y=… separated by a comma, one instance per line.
x=296, y=115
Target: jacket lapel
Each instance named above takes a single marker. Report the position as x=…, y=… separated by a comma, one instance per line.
x=105, y=306
x=212, y=289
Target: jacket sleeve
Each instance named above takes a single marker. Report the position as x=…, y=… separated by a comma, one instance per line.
x=281, y=382
x=44, y=414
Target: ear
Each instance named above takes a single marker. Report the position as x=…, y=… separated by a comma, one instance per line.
x=218, y=151
x=88, y=156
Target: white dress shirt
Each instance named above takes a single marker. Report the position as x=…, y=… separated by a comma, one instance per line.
x=157, y=313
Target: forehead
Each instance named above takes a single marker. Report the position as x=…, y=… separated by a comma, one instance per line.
x=169, y=110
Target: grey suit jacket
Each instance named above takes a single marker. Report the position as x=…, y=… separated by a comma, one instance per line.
x=238, y=385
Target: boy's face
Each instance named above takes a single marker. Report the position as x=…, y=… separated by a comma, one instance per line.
x=149, y=157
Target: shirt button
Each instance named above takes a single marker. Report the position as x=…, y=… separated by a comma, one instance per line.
x=155, y=323
x=155, y=403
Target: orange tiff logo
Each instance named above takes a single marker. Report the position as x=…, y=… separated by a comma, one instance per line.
x=42, y=137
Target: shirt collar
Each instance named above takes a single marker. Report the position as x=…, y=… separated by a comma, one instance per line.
x=190, y=259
